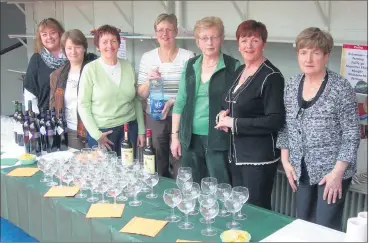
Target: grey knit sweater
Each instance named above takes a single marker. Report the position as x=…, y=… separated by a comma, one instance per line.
x=324, y=133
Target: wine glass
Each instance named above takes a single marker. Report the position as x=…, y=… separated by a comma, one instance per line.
x=172, y=197
x=194, y=190
x=206, y=199
x=117, y=188
x=102, y=187
x=243, y=193
x=224, y=191
x=209, y=184
x=136, y=188
x=184, y=178
x=209, y=213
x=186, y=205
x=152, y=180
x=41, y=164
x=233, y=205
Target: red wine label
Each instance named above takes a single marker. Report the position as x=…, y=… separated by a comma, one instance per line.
x=149, y=163
x=127, y=156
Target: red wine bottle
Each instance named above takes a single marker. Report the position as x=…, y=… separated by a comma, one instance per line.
x=126, y=148
x=34, y=136
x=43, y=132
x=49, y=132
x=62, y=131
x=56, y=140
x=149, y=153
x=20, y=118
x=27, y=144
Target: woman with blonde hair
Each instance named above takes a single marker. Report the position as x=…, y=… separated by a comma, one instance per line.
x=320, y=140
x=165, y=62
x=64, y=83
x=47, y=57
x=205, y=77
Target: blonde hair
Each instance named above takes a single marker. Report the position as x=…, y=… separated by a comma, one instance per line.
x=47, y=23
x=208, y=22
x=314, y=37
x=171, y=18
x=77, y=38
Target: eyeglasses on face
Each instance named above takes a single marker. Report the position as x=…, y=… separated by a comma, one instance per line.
x=207, y=38
x=162, y=31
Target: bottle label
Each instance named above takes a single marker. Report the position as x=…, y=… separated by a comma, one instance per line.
x=60, y=130
x=43, y=130
x=149, y=163
x=127, y=156
x=156, y=107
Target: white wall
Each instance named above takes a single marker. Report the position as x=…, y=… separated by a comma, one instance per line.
x=284, y=20
x=11, y=85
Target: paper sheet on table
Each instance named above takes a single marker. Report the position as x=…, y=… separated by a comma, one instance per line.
x=105, y=210
x=25, y=171
x=143, y=226
x=303, y=231
x=62, y=191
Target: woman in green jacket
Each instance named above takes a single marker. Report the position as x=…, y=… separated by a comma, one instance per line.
x=107, y=96
x=194, y=139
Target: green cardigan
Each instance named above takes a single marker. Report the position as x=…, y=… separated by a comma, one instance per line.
x=103, y=104
x=219, y=83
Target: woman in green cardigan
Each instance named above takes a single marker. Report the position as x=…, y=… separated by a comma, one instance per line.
x=194, y=139
x=107, y=96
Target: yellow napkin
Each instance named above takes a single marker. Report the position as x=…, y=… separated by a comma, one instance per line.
x=62, y=191
x=179, y=240
x=143, y=226
x=105, y=210
x=26, y=171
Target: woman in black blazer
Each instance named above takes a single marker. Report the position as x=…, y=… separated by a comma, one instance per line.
x=253, y=114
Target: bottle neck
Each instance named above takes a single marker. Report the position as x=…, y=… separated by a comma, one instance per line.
x=148, y=141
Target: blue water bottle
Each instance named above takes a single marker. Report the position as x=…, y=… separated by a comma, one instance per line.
x=157, y=101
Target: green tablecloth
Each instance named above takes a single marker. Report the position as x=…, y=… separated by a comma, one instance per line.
x=63, y=219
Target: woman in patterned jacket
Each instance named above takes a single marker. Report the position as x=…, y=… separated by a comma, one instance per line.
x=320, y=140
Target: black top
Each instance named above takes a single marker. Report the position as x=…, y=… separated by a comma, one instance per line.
x=258, y=111
x=37, y=80
x=304, y=104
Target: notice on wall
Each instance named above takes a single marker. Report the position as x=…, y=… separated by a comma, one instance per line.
x=354, y=66
x=122, y=51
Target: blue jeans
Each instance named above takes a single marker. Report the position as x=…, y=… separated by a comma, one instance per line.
x=117, y=136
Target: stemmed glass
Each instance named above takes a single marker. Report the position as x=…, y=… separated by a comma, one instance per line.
x=194, y=190
x=209, y=184
x=207, y=199
x=102, y=188
x=152, y=180
x=172, y=197
x=186, y=205
x=136, y=188
x=42, y=165
x=117, y=188
x=233, y=205
x=93, y=180
x=243, y=193
x=50, y=171
x=224, y=191
x=184, y=178
x=209, y=213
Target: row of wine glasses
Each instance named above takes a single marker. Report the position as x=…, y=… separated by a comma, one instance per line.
x=99, y=171
x=207, y=194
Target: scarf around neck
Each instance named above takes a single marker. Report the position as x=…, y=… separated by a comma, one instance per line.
x=50, y=60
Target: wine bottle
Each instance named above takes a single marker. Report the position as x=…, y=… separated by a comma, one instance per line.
x=49, y=132
x=126, y=148
x=62, y=131
x=15, y=122
x=34, y=136
x=43, y=132
x=149, y=153
x=56, y=140
x=30, y=110
x=27, y=144
x=20, y=118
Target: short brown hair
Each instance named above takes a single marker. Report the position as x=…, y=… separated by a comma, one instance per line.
x=76, y=36
x=314, y=37
x=171, y=18
x=103, y=30
x=252, y=28
x=47, y=23
x=208, y=22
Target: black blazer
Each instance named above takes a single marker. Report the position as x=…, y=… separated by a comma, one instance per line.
x=258, y=111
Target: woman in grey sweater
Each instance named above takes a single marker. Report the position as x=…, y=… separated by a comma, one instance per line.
x=320, y=140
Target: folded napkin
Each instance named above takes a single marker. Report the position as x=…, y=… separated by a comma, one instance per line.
x=143, y=226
